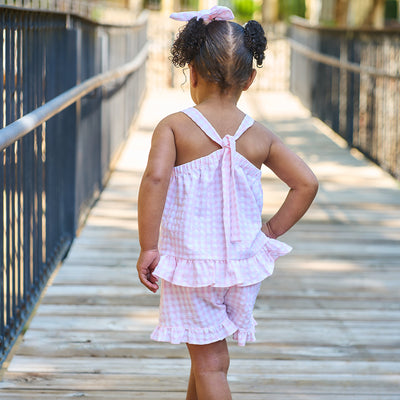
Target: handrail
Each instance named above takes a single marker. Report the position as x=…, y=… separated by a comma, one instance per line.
x=306, y=24
x=19, y=128
x=336, y=62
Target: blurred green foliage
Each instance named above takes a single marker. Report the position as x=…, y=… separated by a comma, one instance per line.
x=391, y=9
x=189, y=5
x=244, y=9
x=291, y=7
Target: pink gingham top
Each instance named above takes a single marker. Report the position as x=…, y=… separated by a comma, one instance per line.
x=211, y=226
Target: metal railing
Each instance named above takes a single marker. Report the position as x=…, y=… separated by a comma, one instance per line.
x=69, y=92
x=350, y=79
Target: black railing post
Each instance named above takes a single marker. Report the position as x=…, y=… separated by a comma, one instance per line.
x=69, y=120
x=2, y=185
x=2, y=266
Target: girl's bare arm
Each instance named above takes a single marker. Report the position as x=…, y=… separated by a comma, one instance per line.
x=152, y=195
x=303, y=185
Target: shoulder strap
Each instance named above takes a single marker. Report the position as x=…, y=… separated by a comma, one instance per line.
x=246, y=123
x=200, y=120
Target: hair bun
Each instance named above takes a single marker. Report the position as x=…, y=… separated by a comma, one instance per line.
x=188, y=43
x=255, y=40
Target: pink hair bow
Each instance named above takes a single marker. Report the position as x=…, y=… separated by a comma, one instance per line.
x=218, y=13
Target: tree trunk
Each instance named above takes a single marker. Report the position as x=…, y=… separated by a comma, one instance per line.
x=270, y=11
x=376, y=15
x=342, y=8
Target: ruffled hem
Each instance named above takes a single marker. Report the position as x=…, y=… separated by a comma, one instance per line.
x=243, y=336
x=177, y=335
x=222, y=273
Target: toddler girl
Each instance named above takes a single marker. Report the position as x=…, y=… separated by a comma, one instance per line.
x=202, y=185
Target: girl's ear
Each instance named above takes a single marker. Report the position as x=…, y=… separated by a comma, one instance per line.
x=193, y=76
x=250, y=80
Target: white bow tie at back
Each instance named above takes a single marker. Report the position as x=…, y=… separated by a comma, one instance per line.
x=217, y=13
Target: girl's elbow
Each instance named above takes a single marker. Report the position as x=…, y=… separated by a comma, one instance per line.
x=313, y=185
x=154, y=180
x=309, y=186
x=314, y=182
x=154, y=177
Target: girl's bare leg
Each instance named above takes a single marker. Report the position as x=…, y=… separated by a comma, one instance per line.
x=210, y=364
x=191, y=392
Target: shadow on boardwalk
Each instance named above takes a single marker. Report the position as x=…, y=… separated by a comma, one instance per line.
x=328, y=319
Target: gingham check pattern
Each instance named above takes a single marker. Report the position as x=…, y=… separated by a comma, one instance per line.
x=206, y=314
x=211, y=226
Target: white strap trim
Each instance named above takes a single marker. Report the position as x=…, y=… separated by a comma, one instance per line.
x=246, y=123
x=202, y=122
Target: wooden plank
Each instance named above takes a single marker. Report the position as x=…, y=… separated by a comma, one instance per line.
x=147, y=321
x=157, y=395
x=126, y=346
x=141, y=366
x=272, y=299
x=334, y=281
x=280, y=313
x=248, y=383
x=73, y=292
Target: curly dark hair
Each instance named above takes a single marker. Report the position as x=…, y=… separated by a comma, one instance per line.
x=222, y=52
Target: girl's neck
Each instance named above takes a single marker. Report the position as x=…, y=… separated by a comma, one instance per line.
x=210, y=95
x=218, y=100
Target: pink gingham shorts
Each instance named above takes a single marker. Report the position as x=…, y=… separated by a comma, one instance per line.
x=202, y=315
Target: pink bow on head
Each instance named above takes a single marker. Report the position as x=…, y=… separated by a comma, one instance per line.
x=218, y=13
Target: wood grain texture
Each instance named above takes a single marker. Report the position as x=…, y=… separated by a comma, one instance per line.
x=328, y=319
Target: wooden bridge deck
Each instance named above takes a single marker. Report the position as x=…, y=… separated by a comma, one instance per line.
x=328, y=319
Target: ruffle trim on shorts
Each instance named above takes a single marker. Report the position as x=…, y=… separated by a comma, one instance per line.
x=222, y=273
x=177, y=335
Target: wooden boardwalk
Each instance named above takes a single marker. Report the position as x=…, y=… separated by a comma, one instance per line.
x=328, y=319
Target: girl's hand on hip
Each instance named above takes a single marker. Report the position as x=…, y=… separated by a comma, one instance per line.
x=146, y=264
x=266, y=229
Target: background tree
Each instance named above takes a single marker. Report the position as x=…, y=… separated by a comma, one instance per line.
x=291, y=7
x=376, y=14
x=270, y=11
x=341, y=12
x=353, y=13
